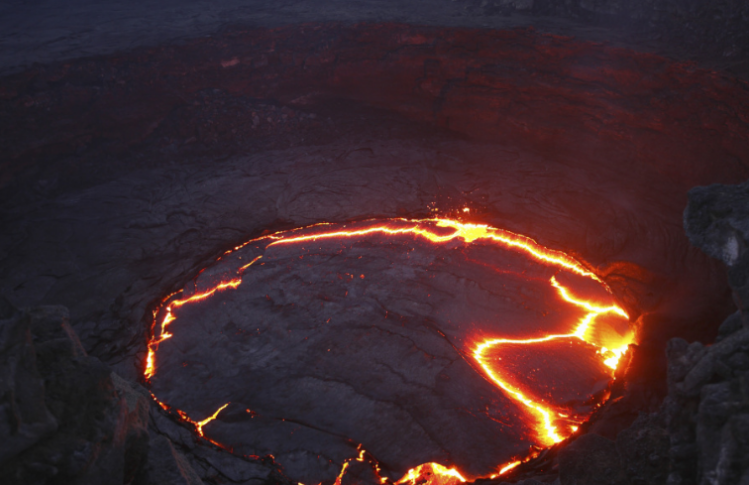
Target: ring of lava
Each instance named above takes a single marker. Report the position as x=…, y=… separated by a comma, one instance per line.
x=592, y=323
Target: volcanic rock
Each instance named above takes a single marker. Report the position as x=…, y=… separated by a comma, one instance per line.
x=705, y=423
x=211, y=464
x=707, y=407
x=591, y=460
x=729, y=326
x=167, y=465
x=584, y=157
x=72, y=420
x=26, y=418
x=643, y=448
x=699, y=434
x=716, y=220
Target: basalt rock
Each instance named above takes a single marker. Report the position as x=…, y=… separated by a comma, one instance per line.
x=25, y=416
x=69, y=418
x=707, y=407
x=717, y=221
x=707, y=417
x=167, y=465
x=591, y=460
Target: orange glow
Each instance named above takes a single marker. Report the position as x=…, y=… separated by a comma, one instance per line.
x=438, y=231
x=548, y=434
x=466, y=231
x=432, y=474
x=202, y=296
x=199, y=424
x=249, y=264
x=339, y=478
x=507, y=468
x=613, y=355
x=169, y=317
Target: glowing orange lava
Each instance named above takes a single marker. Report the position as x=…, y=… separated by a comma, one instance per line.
x=362, y=457
x=440, y=231
x=433, y=474
x=468, y=232
x=549, y=433
x=199, y=424
x=507, y=468
x=169, y=317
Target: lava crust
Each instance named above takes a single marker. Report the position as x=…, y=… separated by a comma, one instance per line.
x=312, y=344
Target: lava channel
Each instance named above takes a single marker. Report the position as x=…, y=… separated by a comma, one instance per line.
x=534, y=371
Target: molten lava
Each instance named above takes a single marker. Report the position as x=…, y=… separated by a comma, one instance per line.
x=153, y=345
x=550, y=433
x=433, y=474
x=553, y=422
x=199, y=424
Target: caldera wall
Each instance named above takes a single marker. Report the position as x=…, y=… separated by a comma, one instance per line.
x=585, y=147
x=655, y=126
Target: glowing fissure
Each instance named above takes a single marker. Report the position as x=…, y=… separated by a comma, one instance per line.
x=199, y=424
x=434, y=473
x=153, y=345
x=362, y=457
x=545, y=414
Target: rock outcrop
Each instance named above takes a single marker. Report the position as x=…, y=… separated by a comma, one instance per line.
x=717, y=222
x=66, y=417
x=707, y=408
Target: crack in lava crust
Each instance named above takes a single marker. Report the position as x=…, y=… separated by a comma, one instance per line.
x=552, y=423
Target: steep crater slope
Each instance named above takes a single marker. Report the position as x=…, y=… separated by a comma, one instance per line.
x=126, y=175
